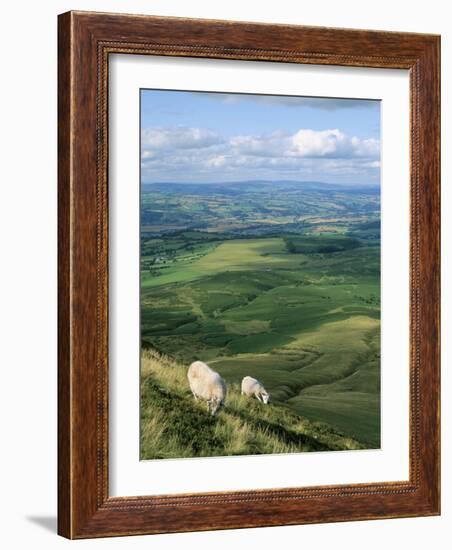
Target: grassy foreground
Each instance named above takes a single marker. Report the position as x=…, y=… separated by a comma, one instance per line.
x=173, y=425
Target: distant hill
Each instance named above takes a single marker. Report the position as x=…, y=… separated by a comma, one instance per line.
x=237, y=187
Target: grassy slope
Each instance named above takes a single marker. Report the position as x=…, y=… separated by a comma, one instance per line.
x=329, y=374
x=233, y=255
x=173, y=425
x=306, y=325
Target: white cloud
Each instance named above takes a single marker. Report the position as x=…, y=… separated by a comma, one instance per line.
x=366, y=147
x=269, y=145
x=311, y=143
x=306, y=143
x=373, y=164
x=198, y=154
x=216, y=161
x=179, y=138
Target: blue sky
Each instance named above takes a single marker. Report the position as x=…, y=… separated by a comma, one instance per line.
x=212, y=137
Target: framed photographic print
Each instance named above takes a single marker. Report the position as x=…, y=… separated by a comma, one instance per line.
x=248, y=275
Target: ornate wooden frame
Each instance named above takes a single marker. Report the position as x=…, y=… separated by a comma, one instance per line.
x=85, y=42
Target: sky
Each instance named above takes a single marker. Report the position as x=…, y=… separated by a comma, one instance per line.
x=203, y=137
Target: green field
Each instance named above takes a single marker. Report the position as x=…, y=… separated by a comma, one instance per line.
x=297, y=307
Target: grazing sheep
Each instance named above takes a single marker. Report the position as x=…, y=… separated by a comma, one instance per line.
x=251, y=386
x=207, y=384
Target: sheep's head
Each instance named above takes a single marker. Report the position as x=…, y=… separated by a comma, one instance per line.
x=214, y=405
x=265, y=397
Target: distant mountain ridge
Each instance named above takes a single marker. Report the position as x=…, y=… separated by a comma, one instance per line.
x=234, y=187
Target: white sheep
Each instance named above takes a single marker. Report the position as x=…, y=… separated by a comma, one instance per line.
x=208, y=385
x=251, y=386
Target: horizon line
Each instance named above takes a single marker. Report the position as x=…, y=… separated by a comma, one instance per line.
x=231, y=182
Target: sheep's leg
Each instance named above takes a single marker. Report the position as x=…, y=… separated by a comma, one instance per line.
x=195, y=396
x=258, y=396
